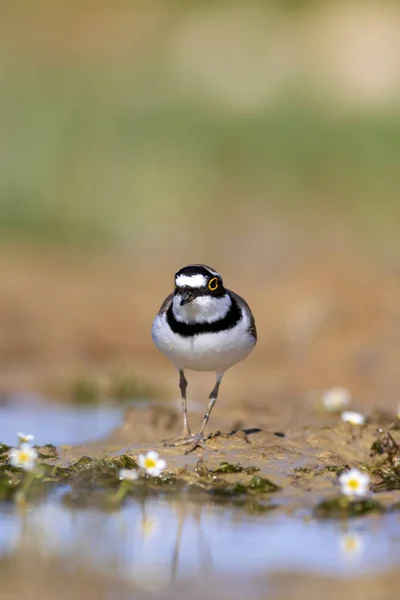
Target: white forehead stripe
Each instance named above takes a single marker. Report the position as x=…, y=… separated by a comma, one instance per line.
x=194, y=281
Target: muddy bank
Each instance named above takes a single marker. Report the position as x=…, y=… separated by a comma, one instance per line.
x=302, y=462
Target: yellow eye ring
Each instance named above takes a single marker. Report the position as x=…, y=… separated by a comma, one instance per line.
x=213, y=284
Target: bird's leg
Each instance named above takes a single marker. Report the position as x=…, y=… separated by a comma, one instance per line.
x=198, y=439
x=185, y=437
x=183, y=386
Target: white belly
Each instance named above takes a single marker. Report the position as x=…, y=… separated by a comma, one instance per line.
x=205, y=352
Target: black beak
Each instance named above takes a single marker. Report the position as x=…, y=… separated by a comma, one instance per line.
x=187, y=296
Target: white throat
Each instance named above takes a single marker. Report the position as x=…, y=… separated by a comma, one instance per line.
x=204, y=309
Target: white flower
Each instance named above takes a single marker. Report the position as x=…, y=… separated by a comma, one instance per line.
x=336, y=399
x=25, y=438
x=128, y=474
x=353, y=417
x=24, y=457
x=354, y=483
x=152, y=463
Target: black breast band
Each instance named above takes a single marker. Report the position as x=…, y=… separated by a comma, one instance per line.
x=232, y=318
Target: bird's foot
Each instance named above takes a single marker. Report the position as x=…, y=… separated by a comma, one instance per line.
x=192, y=440
x=185, y=438
x=197, y=441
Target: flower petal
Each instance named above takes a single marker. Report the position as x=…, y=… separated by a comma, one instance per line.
x=142, y=461
x=152, y=455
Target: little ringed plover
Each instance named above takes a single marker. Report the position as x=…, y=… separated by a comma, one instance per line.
x=202, y=326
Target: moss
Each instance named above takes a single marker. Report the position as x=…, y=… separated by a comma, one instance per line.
x=166, y=480
x=250, y=470
x=214, y=483
x=262, y=485
x=377, y=448
x=389, y=478
x=344, y=507
x=304, y=470
x=83, y=463
x=226, y=467
x=89, y=474
x=229, y=491
x=4, y=448
x=333, y=469
x=124, y=461
x=319, y=471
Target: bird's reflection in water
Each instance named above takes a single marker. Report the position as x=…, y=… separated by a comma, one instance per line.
x=164, y=541
x=142, y=543
x=184, y=511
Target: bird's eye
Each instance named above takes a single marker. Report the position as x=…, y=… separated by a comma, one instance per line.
x=213, y=284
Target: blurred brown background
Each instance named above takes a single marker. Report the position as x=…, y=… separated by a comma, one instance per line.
x=262, y=138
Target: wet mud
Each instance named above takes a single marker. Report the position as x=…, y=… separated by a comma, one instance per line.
x=287, y=468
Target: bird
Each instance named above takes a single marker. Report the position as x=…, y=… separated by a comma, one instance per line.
x=202, y=326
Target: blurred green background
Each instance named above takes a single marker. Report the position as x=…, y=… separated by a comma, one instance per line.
x=131, y=124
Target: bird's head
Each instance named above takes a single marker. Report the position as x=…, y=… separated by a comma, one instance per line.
x=199, y=294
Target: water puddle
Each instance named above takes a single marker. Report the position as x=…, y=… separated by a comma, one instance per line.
x=161, y=540
x=56, y=423
x=175, y=536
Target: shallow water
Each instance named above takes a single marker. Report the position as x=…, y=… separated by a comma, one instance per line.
x=55, y=423
x=162, y=540
x=184, y=537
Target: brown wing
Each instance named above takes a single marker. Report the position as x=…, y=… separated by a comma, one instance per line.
x=242, y=302
x=166, y=304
